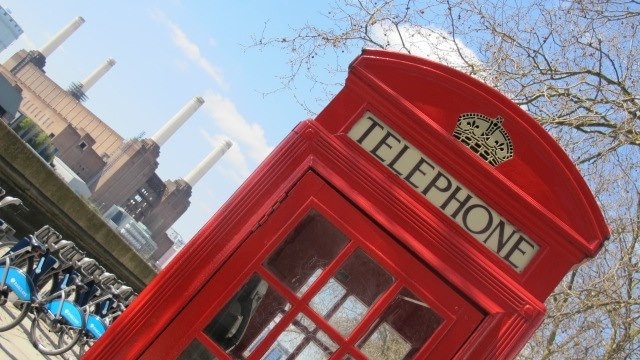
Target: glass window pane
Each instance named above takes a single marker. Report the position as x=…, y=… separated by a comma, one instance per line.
x=327, y=297
x=349, y=294
x=312, y=351
x=196, y=351
x=276, y=352
x=302, y=340
x=247, y=318
x=348, y=315
x=402, y=328
x=305, y=252
x=386, y=343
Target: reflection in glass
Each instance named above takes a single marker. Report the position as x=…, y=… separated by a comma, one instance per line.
x=386, y=343
x=402, y=328
x=348, y=315
x=302, y=339
x=196, y=351
x=347, y=296
x=309, y=282
x=247, y=317
x=262, y=335
x=327, y=297
x=305, y=252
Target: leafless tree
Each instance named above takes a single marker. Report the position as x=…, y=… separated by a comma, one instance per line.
x=575, y=66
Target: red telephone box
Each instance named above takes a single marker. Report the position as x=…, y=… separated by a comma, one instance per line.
x=421, y=215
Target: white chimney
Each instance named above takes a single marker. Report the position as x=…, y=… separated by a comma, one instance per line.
x=97, y=74
x=57, y=40
x=198, y=172
x=177, y=120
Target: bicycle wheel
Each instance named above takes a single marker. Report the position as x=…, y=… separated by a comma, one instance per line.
x=5, y=246
x=75, y=344
x=83, y=344
x=22, y=261
x=12, y=311
x=52, y=337
x=45, y=285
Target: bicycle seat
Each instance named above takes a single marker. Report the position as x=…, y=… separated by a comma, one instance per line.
x=35, y=243
x=124, y=291
x=47, y=235
x=86, y=266
x=71, y=254
x=86, y=261
x=106, y=278
x=99, y=270
x=60, y=245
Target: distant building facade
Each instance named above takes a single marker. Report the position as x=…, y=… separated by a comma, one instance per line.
x=135, y=233
x=9, y=29
x=10, y=99
x=118, y=172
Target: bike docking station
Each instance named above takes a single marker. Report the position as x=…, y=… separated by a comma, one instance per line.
x=421, y=215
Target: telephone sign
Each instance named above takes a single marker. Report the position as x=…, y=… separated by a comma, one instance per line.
x=440, y=189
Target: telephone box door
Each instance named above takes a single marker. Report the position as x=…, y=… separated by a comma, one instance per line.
x=316, y=279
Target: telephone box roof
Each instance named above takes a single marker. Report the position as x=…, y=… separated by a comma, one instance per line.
x=539, y=171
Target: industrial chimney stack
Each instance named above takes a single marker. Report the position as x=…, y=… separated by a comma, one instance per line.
x=135, y=161
x=175, y=122
x=90, y=80
x=57, y=40
x=198, y=172
x=79, y=91
x=39, y=57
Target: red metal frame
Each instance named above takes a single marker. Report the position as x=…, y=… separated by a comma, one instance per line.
x=538, y=190
x=412, y=274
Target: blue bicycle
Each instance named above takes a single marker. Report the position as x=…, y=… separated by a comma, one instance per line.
x=58, y=320
x=71, y=297
x=28, y=283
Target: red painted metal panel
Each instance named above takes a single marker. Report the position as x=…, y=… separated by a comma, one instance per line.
x=537, y=191
x=425, y=99
x=460, y=316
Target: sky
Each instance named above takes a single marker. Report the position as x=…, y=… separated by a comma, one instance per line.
x=166, y=53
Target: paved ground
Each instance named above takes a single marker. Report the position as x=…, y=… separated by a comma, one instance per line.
x=15, y=345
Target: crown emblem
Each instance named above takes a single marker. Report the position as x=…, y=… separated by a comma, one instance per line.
x=485, y=137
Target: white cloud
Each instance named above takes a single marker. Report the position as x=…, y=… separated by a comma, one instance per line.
x=249, y=141
x=239, y=168
x=191, y=49
x=246, y=135
x=431, y=43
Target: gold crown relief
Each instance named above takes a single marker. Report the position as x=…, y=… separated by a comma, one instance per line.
x=485, y=137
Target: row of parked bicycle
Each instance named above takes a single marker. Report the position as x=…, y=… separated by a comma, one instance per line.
x=72, y=299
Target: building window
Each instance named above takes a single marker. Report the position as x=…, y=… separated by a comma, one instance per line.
x=83, y=145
